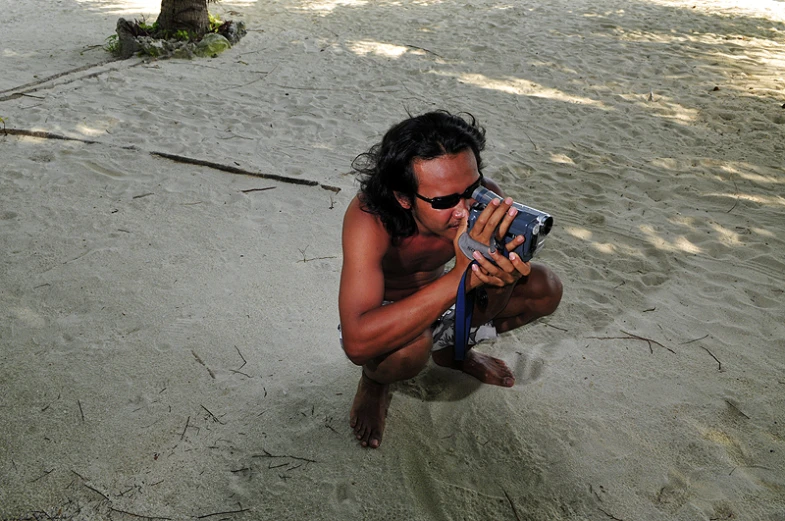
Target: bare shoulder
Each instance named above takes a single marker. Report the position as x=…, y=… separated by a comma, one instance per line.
x=492, y=185
x=364, y=230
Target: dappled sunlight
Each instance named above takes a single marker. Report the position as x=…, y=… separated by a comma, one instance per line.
x=774, y=61
x=757, y=174
x=11, y=53
x=562, y=159
x=682, y=220
x=608, y=248
x=763, y=233
x=387, y=50
x=680, y=243
x=726, y=236
x=579, y=233
x=769, y=9
x=663, y=107
x=326, y=6
x=773, y=200
x=521, y=87
x=754, y=177
x=708, y=39
x=90, y=131
x=123, y=7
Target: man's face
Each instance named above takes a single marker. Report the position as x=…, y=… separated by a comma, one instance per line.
x=442, y=176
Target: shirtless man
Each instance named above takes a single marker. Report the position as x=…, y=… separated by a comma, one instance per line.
x=398, y=234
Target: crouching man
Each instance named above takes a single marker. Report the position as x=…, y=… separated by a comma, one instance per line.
x=398, y=233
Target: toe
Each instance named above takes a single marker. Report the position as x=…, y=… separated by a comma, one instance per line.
x=374, y=439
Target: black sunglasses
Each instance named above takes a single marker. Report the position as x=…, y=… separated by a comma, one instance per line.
x=448, y=201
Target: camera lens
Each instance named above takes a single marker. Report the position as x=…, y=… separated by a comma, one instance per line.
x=547, y=225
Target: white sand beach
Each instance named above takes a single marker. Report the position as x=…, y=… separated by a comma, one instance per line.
x=168, y=343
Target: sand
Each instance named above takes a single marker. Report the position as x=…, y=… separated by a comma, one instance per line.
x=167, y=337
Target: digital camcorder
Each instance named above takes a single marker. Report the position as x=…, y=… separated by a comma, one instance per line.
x=533, y=224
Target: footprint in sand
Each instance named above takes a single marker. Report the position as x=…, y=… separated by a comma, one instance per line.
x=672, y=496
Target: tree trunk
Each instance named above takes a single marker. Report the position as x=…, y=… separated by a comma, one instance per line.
x=183, y=15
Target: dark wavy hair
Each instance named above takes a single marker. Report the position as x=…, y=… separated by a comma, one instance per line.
x=388, y=167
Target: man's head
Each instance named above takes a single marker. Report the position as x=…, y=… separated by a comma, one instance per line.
x=393, y=171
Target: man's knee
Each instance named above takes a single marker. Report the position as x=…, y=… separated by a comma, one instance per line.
x=415, y=356
x=404, y=363
x=552, y=291
x=543, y=290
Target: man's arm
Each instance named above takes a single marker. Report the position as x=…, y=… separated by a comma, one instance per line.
x=370, y=329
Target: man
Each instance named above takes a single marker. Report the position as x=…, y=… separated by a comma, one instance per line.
x=398, y=234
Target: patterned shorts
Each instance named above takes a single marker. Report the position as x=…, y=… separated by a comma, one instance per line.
x=444, y=331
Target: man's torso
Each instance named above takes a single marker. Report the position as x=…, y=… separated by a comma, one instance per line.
x=413, y=263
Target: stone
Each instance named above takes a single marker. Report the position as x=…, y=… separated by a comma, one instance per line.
x=211, y=45
x=128, y=46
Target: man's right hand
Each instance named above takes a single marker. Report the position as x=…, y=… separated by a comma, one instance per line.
x=494, y=220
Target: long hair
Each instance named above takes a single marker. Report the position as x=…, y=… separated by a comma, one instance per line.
x=388, y=167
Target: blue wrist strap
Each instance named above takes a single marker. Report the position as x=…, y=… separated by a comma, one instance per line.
x=464, y=308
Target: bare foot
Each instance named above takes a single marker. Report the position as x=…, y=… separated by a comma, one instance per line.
x=369, y=411
x=485, y=368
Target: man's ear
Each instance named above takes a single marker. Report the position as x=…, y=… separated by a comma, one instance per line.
x=404, y=201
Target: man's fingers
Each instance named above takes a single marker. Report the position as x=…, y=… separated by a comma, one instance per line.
x=524, y=268
x=464, y=224
x=500, y=213
x=461, y=230
x=506, y=222
x=478, y=230
x=488, y=221
x=499, y=269
x=485, y=277
x=517, y=241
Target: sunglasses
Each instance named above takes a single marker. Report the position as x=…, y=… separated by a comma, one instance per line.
x=449, y=201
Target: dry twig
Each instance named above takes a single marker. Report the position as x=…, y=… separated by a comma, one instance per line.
x=735, y=408
x=212, y=374
x=631, y=336
x=424, y=50
x=143, y=516
x=173, y=157
x=188, y=421
x=223, y=513
x=213, y=416
x=97, y=491
x=512, y=505
x=714, y=357
x=268, y=455
x=257, y=189
x=609, y=515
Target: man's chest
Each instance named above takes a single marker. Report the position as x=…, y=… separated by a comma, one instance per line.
x=418, y=255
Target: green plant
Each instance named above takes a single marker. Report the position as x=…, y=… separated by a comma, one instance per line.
x=150, y=50
x=215, y=23
x=112, y=44
x=150, y=29
x=182, y=35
